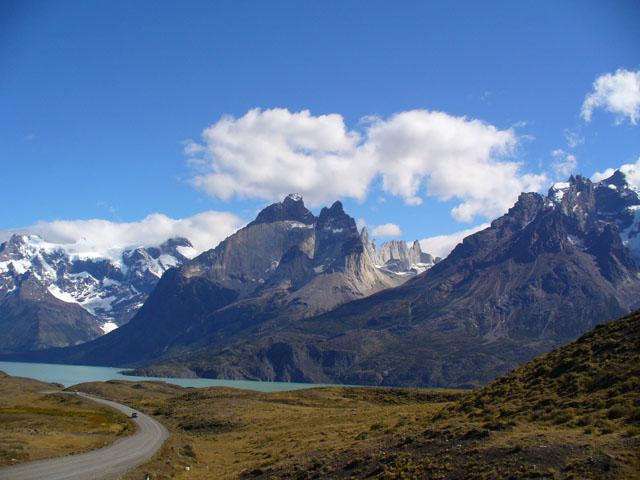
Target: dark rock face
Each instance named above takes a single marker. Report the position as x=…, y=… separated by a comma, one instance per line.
x=291, y=208
x=31, y=319
x=538, y=277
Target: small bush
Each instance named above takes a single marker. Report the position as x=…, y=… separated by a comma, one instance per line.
x=616, y=412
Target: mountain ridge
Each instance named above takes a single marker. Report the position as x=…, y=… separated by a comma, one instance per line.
x=537, y=277
x=108, y=290
x=285, y=265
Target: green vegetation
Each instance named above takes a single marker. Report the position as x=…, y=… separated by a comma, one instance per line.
x=571, y=414
x=35, y=425
x=593, y=384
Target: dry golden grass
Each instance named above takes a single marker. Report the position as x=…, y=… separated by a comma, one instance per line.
x=225, y=433
x=34, y=425
x=338, y=432
x=571, y=414
x=359, y=433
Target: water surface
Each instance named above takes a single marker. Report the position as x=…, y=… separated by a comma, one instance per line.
x=69, y=375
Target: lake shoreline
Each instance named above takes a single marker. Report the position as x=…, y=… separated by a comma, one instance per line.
x=68, y=375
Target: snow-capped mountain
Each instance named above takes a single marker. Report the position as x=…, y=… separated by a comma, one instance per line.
x=111, y=289
x=286, y=265
x=539, y=276
x=593, y=205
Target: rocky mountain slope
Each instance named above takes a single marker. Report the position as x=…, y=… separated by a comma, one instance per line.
x=79, y=296
x=32, y=318
x=590, y=382
x=538, y=277
x=286, y=265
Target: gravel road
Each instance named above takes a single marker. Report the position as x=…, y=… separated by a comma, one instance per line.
x=104, y=463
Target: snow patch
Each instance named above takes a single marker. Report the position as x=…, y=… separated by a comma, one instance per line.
x=559, y=189
x=95, y=304
x=168, y=261
x=20, y=266
x=108, y=327
x=188, y=252
x=296, y=197
x=294, y=224
x=60, y=295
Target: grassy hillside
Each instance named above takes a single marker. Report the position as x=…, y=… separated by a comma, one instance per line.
x=571, y=414
x=34, y=425
x=593, y=383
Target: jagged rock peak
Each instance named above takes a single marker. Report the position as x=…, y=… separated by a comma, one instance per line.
x=397, y=256
x=418, y=256
x=364, y=236
x=291, y=208
x=336, y=210
x=523, y=211
x=335, y=219
x=296, y=197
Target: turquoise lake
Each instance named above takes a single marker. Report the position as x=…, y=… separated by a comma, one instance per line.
x=69, y=375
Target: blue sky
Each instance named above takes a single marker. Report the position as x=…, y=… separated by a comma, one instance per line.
x=97, y=99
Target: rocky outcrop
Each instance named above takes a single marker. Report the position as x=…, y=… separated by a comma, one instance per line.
x=396, y=256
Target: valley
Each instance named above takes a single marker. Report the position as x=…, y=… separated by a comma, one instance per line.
x=582, y=423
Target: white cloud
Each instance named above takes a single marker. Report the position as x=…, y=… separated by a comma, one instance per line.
x=599, y=176
x=387, y=230
x=452, y=158
x=618, y=93
x=442, y=245
x=630, y=170
x=268, y=153
x=564, y=164
x=573, y=138
x=104, y=238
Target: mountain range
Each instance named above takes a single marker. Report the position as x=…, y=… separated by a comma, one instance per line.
x=50, y=296
x=295, y=297
x=83, y=295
